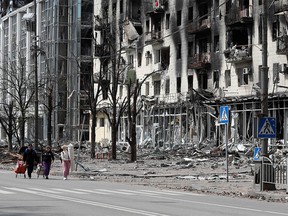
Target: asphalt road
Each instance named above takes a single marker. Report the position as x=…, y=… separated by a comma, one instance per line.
x=41, y=197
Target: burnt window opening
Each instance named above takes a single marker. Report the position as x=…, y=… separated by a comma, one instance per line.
x=134, y=10
x=190, y=13
x=165, y=58
x=157, y=87
x=203, y=11
x=260, y=2
x=179, y=51
x=179, y=18
x=216, y=75
x=167, y=86
x=190, y=83
x=203, y=45
x=147, y=26
x=105, y=87
x=243, y=76
x=190, y=49
x=259, y=75
x=178, y=84
x=244, y=4
x=238, y=37
x=216, y=43
x=227, y=78
x=275, y=30
x=203, y=80
x=121, y=7
x=167, y=23
x=139, y=56
x=228, y=6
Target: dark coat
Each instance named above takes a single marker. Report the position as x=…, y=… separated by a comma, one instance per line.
x=47, y=157
x=29, y=156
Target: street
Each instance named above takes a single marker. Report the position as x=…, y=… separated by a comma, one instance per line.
x=22, y=196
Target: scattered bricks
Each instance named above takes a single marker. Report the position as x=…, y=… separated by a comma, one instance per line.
x=102, y=155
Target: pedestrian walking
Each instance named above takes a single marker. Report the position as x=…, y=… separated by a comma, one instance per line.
x=66, y=161
x=47, y=159
x=29, y=158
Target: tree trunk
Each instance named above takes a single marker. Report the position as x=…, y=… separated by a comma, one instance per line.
x=93, y=136
x=49, y=119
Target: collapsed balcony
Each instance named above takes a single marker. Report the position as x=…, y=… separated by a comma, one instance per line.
x=237, y=54
x=154, y=37
x=199, y=61
x=199, y=26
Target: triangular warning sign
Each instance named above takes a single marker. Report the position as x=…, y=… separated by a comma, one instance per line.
x=224, y=116
x=267, y=128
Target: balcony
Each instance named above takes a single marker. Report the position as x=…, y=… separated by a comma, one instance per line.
x=282, y=45
x=201, y=26
x=152, y=6
x=154, y=37
x=199, y=61
x=238, y=54
x=280, y=6
x=236, y=16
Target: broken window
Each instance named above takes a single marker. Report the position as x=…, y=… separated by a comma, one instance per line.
x=203, y=45
x=260, y=2
x=102, y=122
x=178, y=84
x=147, y=88
x=179, y=18
x=190, y=82
x=167, y=86
x=148, y=57
x=203, y=80
x=179, y=51
x=147, y=26
x=157, y=56
x=216, y=43
x=121, y=6
x=275, y=28
x=139, y=59
x=190, y=49
x=190, y=13
x=157, y=87
x=167, y=24
x=216, y=79
x=243, y=75
x=227, y=78
x=165, y=57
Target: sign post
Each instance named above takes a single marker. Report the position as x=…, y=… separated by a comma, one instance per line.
x=224, y=119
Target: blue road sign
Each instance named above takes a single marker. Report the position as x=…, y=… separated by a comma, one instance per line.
x=224, y=114
x=267, y=127
x=257, y=153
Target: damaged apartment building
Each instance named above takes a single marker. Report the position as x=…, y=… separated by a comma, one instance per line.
x=205, y=54
x=61, y=34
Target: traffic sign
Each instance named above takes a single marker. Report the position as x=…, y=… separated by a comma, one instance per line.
x=257, y=153
x=224, y=114
x=267, y=127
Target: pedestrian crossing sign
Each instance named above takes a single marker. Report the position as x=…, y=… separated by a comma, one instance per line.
x=224, y=114
x=267, y=127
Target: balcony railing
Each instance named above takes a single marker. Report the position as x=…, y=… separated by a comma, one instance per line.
x=200, y=60
x=199, y=26
x=154, y=37
x=172, y=98
x=281, y=6
x=237, y=15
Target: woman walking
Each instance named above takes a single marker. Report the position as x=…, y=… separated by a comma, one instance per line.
x=47, y=159
x=66, y=162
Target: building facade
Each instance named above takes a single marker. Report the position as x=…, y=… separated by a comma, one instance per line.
x=205, y=54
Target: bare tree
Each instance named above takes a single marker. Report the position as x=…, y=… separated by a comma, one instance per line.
x=8, y=121
x=134, y=107
x=17, y=86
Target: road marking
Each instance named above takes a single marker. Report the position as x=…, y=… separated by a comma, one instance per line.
x=160, y=192
x=91, y=191
x=68, y=191
x=46, y=191
x=114, y=191
x=6, y=192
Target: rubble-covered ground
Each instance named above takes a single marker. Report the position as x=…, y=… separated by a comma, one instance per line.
x=184, y=168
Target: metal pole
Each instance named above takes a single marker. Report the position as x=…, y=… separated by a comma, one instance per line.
x=226, y=141
x=79, y=147
x=36, y=77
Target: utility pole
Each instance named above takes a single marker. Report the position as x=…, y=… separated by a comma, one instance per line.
x=267, y=173
x=36, y=76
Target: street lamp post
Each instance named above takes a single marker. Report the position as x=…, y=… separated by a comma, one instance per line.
x=36, y=75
